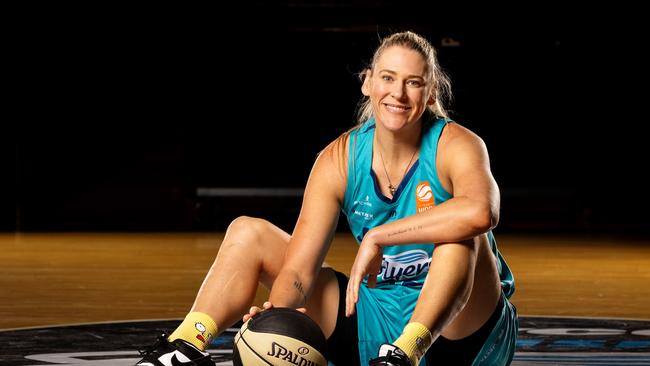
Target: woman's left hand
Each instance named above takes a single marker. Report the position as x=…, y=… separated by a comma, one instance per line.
x=367, y=262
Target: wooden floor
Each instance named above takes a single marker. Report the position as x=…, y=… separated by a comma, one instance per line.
x=50, y=279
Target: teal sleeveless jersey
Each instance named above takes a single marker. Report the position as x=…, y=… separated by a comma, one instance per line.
x=383, y=311
x=366, y=207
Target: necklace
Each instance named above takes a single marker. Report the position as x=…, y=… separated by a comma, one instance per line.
x=391, y=187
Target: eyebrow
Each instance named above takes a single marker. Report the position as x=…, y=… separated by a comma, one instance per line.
x=394, y=73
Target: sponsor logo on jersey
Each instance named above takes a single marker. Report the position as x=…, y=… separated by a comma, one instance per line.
x=365, y=215
x=364, y=202
x=424, y=198
x=361, y=208
x=404, y=266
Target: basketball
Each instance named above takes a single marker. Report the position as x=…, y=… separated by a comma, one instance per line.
x=279, y=337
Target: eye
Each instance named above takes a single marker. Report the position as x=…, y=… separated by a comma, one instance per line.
x=387, y=78
x=414, y=83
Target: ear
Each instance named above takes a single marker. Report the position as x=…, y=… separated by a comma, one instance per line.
x=432, y=99
x=365, y=87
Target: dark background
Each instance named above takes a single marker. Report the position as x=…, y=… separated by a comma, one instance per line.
x=115, y=117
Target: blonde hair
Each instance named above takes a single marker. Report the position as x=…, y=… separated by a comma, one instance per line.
x=436, y=79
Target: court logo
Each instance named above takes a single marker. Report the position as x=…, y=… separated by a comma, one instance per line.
x=424, y=198
x=582, y=341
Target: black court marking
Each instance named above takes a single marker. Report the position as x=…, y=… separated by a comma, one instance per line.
x=542, y=341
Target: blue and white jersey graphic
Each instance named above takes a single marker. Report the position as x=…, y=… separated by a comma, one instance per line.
x=404, y=266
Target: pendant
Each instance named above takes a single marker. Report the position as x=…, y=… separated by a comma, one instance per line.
x=392, y=189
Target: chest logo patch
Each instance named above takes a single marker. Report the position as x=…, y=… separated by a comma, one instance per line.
x=424, y=199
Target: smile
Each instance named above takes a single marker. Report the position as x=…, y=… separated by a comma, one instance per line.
x=396, y=108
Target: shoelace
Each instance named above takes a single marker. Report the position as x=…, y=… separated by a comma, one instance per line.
x=162, y=339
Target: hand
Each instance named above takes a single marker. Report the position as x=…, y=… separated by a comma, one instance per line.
x=254, y=310
x=367, y=262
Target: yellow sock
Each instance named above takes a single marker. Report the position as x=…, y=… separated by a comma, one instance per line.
x=197, y=328
x=414, y=341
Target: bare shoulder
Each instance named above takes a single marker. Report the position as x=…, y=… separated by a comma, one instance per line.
x=335, y=154
x=460, y=151
x=455, y=134
x=330, y=167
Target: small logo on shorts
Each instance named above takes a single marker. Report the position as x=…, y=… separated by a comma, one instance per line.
x=424, y=199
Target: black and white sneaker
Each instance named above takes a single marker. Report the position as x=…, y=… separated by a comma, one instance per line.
x=175, y=353
x=390, y=355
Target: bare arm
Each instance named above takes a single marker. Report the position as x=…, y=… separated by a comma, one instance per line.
x=463, y=166
x=314, y=231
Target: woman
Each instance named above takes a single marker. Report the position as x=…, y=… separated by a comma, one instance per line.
x=406, y=177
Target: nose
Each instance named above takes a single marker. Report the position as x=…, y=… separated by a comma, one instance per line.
x=397, y=91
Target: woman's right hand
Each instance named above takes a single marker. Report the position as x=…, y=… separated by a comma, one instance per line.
x=254, y=310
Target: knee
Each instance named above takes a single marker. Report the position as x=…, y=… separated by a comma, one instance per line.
x=246, y=230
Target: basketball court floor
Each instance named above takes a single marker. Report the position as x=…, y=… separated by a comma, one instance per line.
x=93, y=298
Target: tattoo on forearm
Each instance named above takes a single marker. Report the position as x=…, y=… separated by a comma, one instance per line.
x=298, y=286
x=405, y=230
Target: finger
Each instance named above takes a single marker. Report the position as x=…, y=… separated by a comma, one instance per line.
x=348, y=298
x=302, y=310
x=254, y=310
x=355, y=290
x=352, y=307
x=267, y=305
x=351, y=296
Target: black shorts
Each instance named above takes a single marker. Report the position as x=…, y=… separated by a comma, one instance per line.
x=343, y=344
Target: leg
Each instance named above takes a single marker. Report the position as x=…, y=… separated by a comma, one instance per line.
x=253, y=251
x=472, y=280
x=343, y=343
x=464, y=351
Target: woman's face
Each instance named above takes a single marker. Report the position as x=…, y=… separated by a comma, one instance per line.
x=397, y=87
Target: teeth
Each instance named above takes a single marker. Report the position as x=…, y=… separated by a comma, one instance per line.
x=396, y=108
